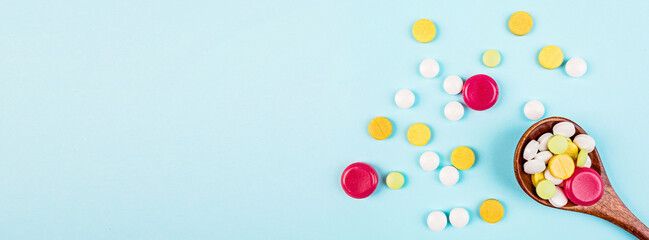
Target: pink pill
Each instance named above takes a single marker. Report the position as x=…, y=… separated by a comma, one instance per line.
x=584, y=187
x=359, y=180
x=480, y=92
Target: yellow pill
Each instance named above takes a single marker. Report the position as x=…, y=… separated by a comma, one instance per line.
x=418, y=134
x=491, y=58
x=572, y=150
x=536, y=178
x=380, y=128
x=561, y=166
x=551, y=57
x=581, y=158
x=462, y=158
x=491, y=211
x=395, y=180
x=424, y=30
x=520, y=23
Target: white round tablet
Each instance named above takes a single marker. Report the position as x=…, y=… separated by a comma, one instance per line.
x=585, y=142
x=449, y=175
x=543, y=141
x=565, y=129
x=458, y=217
x=453, y=84
x=533, y=166
x=552, y=179
x=531, y=149
x=544, y=156
x=576, y=67
x=429, y=68
x=404, y=98
x=559, y=199
x=436, y=221
x=429, y=160
x=454, y=111
x=534, y=110
x=588, y=162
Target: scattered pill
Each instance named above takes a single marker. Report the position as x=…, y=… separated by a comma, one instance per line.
x=585, y=187
x=537, y=177
x=534, y=110
x=436, y=221
x=576, y=67
x=547, y=175
x=449, y=175
x=533, y=166
x=462, y=158
x=404, y=98
x=395, y=180
x=559, y=199
x=480, y=92
x=520, y=23
x=454, y=111
x=429, y=68
x=584, y=141
x=572, y=150
x=458, y=217
x=543, y=141
x=588, y=162
x=429, y=161
x=380, y=128
x=543, y=156
x=545, y=189
x=551, y=57
x=491, y=58
x=491, y=211
x=558, y=144
x=531, y=149
x=565, y=129
x=359, y=180
x=424, y=30
x=418, y=134
x=561, y=166
x=453, y=84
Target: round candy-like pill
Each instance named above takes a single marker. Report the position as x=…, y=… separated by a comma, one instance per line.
x=436, y=221
x=491, y=58
x=459, y=217
x=537, y=177
x=449, y=175
x=429, y=161
x=395, y=180
x=534, y=110
x=491, y=211
x=533, y=166
x=585, y=142
x=588, y=162
x=572, y=150
x=429, y=68
x=559, y=199
x=558, y=144
x=520, y=23
x=565, y=129
x=545, y=189
x=585, y=187
x=551, y=57
x=424, y=30
x=453, y=84
x=581, y=158
x=380, y=128
x=543, y=156
x=404, y=98
x=359, y=180
x=543, y=141
x=576, y=67
x=462, y=157
x=454, y=111
x=561, y=166
x=531, y=149
x=480, y=92
x=547, y=175
x=418, y=134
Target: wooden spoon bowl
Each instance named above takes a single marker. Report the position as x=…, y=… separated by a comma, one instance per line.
x=609, y=208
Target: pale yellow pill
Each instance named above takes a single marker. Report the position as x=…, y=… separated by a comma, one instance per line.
x=536, y=178
x=462, y=158
x=380, y=128
x=561, y=166
x=395, y=180
x=551, y=57
x=424, y=30
x=520, y=23
x=491, y=211
x=418, y=134
x=491, y=58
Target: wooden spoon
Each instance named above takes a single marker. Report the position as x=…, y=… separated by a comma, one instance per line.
x=609, y=208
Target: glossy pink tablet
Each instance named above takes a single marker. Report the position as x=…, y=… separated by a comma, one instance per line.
x=584, y=187
x=359, y=180
x=480, y=92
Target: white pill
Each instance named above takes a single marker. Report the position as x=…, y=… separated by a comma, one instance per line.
x=534, y=110
x=588, y=162
x=584, y=141
x=429, y=161
x=436, y=221
x=404, y=98
x=531, y=149
x=534, y=166
x=449, y=175
x=565, y=129
x=559, y=199
x=458, y=217
x=453, y=84
x=543, y=141
x=576, y=67
x=552, y=179
x=543, y=156
x=429, y=68
x=454, y=111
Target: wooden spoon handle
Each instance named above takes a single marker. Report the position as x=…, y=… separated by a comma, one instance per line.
x=614, y=210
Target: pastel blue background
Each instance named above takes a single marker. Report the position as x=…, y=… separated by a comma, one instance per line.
x=234, y=119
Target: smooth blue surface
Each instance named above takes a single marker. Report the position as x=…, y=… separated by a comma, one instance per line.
x=235, y=119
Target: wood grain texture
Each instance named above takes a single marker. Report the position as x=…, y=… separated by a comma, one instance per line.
x=610, y=207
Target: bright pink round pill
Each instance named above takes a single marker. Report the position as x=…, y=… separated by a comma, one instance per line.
x=584, y=187
x=480, y=92
x=359, y=180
